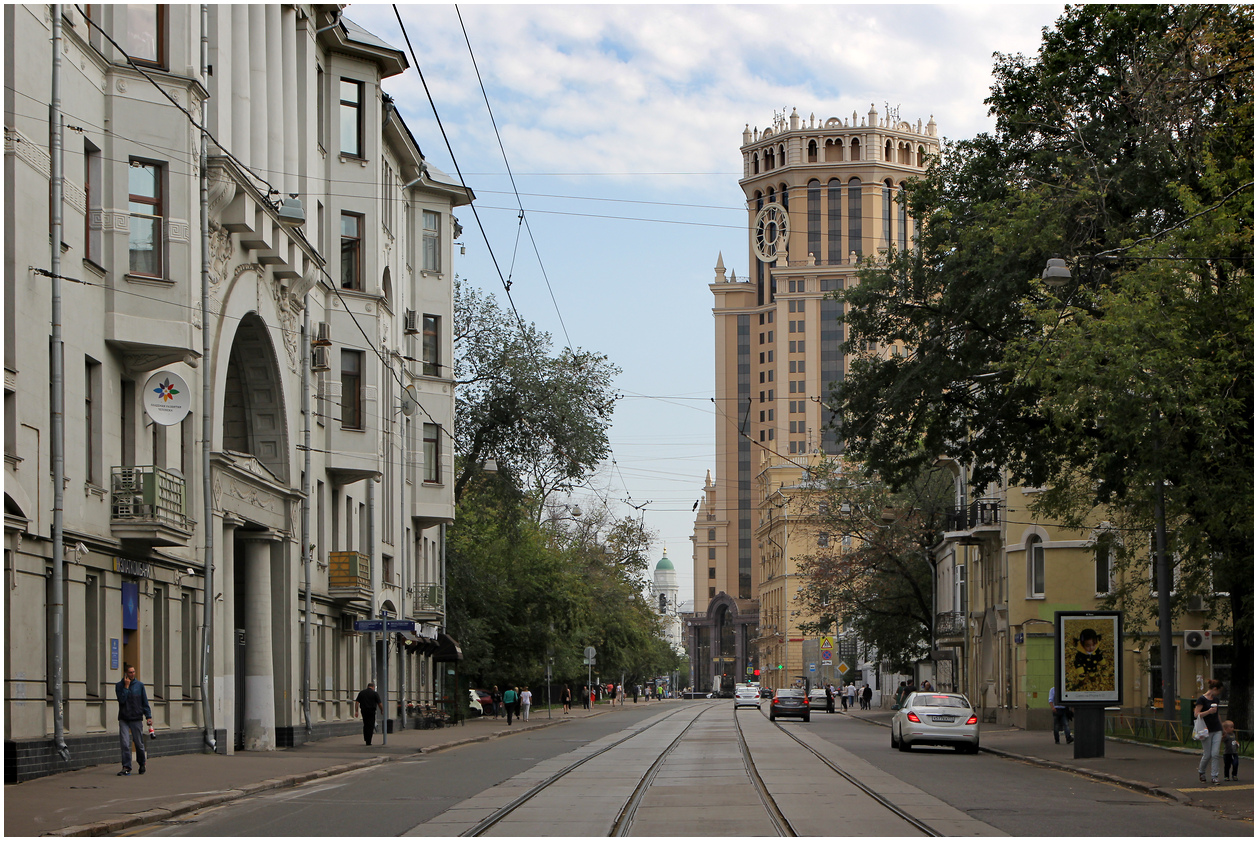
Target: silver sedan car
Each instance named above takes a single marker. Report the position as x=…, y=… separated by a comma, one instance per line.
x=935, y=718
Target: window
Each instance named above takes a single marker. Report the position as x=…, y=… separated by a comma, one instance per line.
x=145, y=208
x=711, y=534
x=351, y=389
x=189, y=653
x=352, y=118
x=834, y=221
x=93, y=466
x=143, y=31
x=854, y=213
x=351, y=251
x=712, y=590
x=386, y=569
x=711, y=572
x=92, y=625
x=432, y=241
x=711, y=554
x=386, y=195
x=959, y=597
x=92, y=199
x=1104, y=564
x=432, y=452
x=159, y=675
x=432, y=345
x=321, y=107
x=814, y=212
x=823, y=540
x=886, y=216
x=1035, y=567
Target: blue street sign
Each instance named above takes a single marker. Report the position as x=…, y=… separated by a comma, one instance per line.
x=392, y=625
x=376, y=625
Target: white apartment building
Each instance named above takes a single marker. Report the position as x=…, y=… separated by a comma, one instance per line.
x=335, y=331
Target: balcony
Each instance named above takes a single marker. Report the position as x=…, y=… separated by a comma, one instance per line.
x=949, y=626
x=349, y=576
x=430, y=601
x=149, y=505
x=982, y=515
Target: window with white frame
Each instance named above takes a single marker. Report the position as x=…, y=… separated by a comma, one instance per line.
x=144, y=185
x=1104, y=564
x=432, y=241
x=1035, y=567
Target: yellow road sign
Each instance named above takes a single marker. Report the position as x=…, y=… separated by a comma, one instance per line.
x=826, y=643
x=843, y=668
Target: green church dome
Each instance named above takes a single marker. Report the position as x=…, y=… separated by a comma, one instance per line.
x=664, y=563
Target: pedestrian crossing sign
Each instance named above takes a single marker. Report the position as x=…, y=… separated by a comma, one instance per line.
x=826, y=644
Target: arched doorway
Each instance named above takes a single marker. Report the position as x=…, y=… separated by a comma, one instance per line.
x=254, y=419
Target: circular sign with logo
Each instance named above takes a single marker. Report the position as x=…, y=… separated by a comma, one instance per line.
x=167, y=399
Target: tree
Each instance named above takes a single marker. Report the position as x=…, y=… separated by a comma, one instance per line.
x=543, y=418
x=1125, y=145
x=875, y=573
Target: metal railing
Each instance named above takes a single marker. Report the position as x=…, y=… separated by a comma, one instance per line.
x=950, y=624
x=148, y=494
x=1157, y=730
x=430, y=598
x=978, y=514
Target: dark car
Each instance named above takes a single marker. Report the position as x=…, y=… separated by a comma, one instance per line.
x=766, y=692
x=789, y=702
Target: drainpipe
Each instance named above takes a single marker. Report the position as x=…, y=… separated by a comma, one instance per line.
x=56, y=189
x=305, y=515
x=207, y=419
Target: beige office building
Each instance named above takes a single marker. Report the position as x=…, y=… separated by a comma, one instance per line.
x=821, y=196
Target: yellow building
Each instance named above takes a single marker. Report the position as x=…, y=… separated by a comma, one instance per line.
x=821, y=195
x=1002, y=574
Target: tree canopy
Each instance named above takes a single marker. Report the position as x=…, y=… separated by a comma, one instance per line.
x=1126, y=147
x=543, y=417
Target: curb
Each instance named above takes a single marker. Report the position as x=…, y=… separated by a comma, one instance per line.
x=161, y=813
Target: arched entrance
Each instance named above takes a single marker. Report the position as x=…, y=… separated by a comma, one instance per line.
x=253, y=401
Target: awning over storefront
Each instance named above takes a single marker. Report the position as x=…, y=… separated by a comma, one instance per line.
x=443, y=648
x=448, y=650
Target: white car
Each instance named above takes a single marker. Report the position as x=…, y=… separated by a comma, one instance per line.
x=817, y=699
x=935, y=718
x=747, y=696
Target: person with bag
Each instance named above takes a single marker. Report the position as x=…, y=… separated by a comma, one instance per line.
x=508, y=703
x=1206, y=712
x=1061, y=717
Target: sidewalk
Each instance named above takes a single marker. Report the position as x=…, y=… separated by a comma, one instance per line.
x=94, y=801
x=1166, y=772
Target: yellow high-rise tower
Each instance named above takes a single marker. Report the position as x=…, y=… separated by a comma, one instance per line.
x=821, y=196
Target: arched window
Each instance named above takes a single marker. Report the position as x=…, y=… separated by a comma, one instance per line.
x=1035, y=567
x=854, y=214
x=812, y=151
x=814, y=216
x=856, y=150
x=781, y=156
x=768, y=159
x=921, y=156
x=755, y=163
x=386, y=288
x=886, y=153
x=902, y=226
x=663, y=603
x=886, y=215
x=834, y=222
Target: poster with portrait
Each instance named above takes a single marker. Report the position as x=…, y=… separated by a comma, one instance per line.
x=1089, y=656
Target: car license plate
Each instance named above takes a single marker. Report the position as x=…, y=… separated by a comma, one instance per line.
x=947, y=719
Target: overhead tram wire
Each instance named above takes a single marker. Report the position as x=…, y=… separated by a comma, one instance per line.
x=507, y=163
x=331, y=280
x=458, y=171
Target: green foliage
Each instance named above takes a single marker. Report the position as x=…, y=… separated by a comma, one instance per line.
x=1125, y=145
x=876, y=571
x=542, y=417
x=519, y=589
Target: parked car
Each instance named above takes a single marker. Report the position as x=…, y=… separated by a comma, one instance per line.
x=790, y=702
x=481, y=702
x=935, y=718
x=817, y=699
x=746, y=696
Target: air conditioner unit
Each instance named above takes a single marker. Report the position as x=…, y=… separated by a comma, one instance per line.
x=319, y=360
x=347, y=623
x=1195, y=603
x=412, y=323
x=1197, y=641
x=322, y=335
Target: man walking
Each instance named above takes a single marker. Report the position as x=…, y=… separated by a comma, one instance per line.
x=133, y=713
x=368, y=702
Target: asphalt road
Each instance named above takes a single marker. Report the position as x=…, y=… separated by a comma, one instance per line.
x=1023, y=799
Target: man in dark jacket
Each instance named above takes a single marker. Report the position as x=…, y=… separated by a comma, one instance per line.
x=133, y=713
x=368, y=703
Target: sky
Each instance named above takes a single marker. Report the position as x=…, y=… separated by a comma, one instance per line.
x=617, y=131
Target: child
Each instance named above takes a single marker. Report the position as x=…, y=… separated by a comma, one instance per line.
x=1087, y=657
x=1231, y=753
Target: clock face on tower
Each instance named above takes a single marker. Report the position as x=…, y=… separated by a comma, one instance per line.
x=770, y=232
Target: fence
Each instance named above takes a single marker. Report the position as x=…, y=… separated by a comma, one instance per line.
x=1146, y=728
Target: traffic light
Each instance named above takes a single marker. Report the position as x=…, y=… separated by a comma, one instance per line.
x=757, y=673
